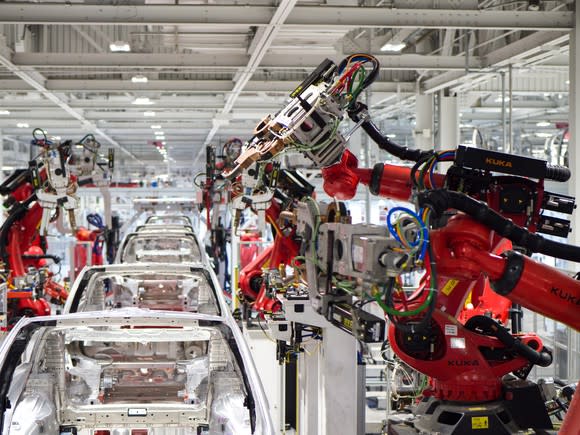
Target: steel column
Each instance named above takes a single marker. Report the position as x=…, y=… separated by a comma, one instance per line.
x=503, y=112
x=423, y=133
x=574, y=122
x=570, y=425
x=448, y=123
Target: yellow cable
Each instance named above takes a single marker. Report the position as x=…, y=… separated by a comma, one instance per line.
x=276, y=228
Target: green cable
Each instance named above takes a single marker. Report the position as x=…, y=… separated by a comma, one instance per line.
x=413, y=312
x=360, y=87
x=41, y=131
x=359, y=72
x=419, y=309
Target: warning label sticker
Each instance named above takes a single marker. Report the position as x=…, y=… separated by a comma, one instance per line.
x=450, y=329
x=449, y=286
x=480, y=422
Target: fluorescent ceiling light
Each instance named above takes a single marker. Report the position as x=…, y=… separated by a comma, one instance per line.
x=139, y=79
x=79, y=146
x=57, y=138
x=543, y=124
x=391, y=136
x=119, y=46
x=149, y=113
x=163, y=143
x=155, y=126
x=158, y=133
x=543, y=135
x=8, y=168
x=390, y=46
x=142, y=101
x=499, y=99
x=22, y=125
x=159, y=137
x=4, y=112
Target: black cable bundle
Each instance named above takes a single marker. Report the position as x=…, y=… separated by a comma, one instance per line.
x=384, y=143
x=441, y=200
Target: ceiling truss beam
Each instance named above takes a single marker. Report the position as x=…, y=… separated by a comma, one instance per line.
x=291, y=61
x=36, y=81
x=500, y=58
x=258, y=48
x=207, y=16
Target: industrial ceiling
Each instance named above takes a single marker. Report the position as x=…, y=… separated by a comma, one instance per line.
x=203, y=71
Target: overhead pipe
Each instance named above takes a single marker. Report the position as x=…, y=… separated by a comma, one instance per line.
x=503, y=111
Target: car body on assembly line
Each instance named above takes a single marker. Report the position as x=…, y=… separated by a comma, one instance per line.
x=155, y=286
x=168, y=219
x=130, y=371
x=164, y=227
x=161, y=245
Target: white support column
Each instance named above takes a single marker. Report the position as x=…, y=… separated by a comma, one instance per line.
x=574, y=121
x=574, y=162
x=328, y=379
x=309, y=377
x=340, y=382
x=263, y=349
x=448, y=123
x=423, y=133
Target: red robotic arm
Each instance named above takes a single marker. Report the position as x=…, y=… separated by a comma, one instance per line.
x=282, y=252
x=468, y=361
x=467, y=355
x=342, y=179
x=462, y=250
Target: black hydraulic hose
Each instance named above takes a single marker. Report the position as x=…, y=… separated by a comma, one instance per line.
x=85, y=181
x=384, y=143
x=54, y=258
x=559, y=382
x=441, y=200
x=14, y=180
x=16, y=213
x=557, y=172
x=542, y=358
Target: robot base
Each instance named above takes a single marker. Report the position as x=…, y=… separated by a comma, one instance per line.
x=433, y=416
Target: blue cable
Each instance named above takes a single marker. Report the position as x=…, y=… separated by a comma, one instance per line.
x=95, y=220
x=424, y=230
x=445, y=155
